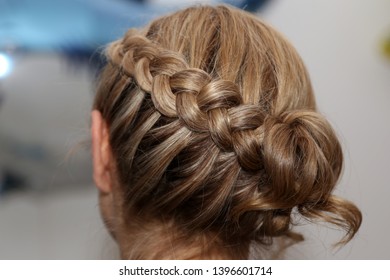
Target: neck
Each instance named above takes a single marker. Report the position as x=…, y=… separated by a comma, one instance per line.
x=156, y=240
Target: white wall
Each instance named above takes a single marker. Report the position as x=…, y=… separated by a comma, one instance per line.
x=44, y=121
x=61, y=224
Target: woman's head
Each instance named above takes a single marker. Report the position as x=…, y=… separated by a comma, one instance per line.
x=206, y=138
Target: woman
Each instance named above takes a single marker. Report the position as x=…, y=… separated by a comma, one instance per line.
x=206, y=140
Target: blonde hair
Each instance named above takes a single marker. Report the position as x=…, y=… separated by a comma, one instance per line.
x=217, y=141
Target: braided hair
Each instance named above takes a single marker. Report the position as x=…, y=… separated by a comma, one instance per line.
x=213, y=126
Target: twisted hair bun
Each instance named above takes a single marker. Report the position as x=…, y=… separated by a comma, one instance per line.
x=214, y=128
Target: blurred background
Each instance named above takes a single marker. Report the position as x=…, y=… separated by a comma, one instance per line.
x=49, y=53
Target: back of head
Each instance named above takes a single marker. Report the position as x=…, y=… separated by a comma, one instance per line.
x=215, y=135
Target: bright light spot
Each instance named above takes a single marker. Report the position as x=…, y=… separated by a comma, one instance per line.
x=5, y=65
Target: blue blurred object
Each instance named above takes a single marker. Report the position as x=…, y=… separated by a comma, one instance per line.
x=78, y=27
x=247, y=5
x=46, y=25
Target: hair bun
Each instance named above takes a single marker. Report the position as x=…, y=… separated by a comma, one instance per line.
x=302, y=157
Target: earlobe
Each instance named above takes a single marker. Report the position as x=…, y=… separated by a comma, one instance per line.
x=101, y=153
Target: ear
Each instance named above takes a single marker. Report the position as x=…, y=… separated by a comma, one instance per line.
x=101, y=153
